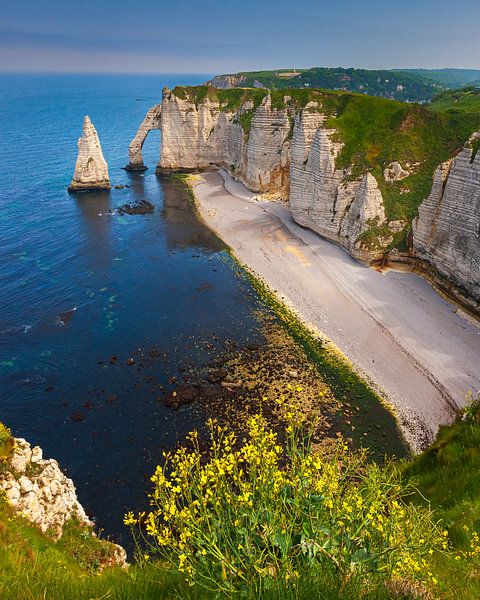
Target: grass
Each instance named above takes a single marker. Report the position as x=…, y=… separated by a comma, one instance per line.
x=466, y=100
x=32, y=567
x=447, y=475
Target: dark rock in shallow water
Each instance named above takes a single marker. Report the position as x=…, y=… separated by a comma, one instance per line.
x=77, y=416
x=183, y=394
x=217, y=375
x=142, y=207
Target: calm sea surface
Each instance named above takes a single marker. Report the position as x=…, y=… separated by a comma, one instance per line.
x=79, y=285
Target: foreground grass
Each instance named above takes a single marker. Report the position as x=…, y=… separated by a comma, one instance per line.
x=448, y=475
x=33, y=567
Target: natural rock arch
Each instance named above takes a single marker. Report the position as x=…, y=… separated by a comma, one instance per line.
x=151, y=121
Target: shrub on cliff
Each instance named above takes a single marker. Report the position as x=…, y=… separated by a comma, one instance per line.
x=6, y=442
x=254, y=517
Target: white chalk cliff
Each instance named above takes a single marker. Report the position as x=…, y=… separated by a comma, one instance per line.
x=446, y=232
x=151, y=121
x=281, y=149
x=38, y=489
x=91, y=169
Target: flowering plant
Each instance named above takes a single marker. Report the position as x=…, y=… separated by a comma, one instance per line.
x=255, y=513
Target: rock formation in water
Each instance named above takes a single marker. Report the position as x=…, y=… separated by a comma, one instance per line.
x=288, y=146
x=446, y=232
x=151, y=121
x=91, y=169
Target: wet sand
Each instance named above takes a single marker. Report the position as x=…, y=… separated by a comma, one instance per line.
x=415, y=348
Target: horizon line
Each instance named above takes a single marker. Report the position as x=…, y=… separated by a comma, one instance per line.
x=181, y=72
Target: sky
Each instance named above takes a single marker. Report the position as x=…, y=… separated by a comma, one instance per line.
x=225, y=36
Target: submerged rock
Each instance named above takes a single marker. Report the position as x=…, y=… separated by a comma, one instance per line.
x=183, y=394
x=91, y=169
x=142, y=207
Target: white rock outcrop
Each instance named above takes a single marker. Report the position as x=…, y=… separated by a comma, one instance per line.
x=395, y=172
x=38, y=489
x=151, y=121
x=91, y=169
x=206, y=136
x=327, y=199
x=283, y=151
x=446, y=232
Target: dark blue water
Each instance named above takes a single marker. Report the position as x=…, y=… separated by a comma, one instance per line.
x=79, y=285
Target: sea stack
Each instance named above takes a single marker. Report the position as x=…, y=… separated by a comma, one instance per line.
x=91, y=169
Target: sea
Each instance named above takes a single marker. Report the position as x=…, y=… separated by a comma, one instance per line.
x=101, y=314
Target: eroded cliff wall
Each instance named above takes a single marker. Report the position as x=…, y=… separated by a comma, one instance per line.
x=446, y=232
x=209, y=134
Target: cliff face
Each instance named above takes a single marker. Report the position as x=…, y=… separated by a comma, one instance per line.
x=37, y=489
x=151, y=121
x=91, y=170
x=279, y=151
x=446, y=232
x=207, y=135
x=289, y=145
x=323, y=197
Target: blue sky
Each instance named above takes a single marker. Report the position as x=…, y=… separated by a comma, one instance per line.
x=206, y=36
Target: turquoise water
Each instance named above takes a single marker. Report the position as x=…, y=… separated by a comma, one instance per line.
x=80, y=285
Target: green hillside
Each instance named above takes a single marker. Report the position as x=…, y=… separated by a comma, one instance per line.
x=411, y=85
x=451, y=78
x=466, y=100
x=389, y=84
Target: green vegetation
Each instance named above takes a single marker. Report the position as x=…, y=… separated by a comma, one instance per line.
x=252, y=516
x=230, y=100
x=34, y=567
x=376, y=132
x=6, y=442
x=466, y=100
x=401, y=85
x=447, y=475
x=451, y=78
x=411, y=85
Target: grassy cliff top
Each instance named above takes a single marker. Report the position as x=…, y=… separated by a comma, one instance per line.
x=413, y=85
x=466, y=100
x=387, y=83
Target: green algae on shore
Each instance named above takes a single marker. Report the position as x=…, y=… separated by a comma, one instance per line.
x=357, y=411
